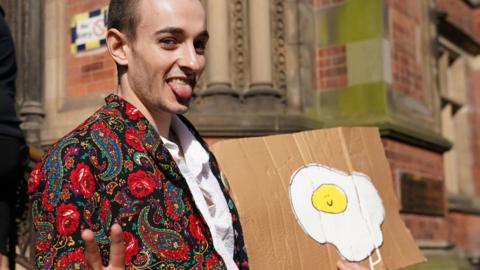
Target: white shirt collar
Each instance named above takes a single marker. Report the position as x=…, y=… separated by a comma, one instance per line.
x=195, y=156
x=195, y=167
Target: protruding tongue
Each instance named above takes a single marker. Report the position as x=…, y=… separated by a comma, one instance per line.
x=183, y=91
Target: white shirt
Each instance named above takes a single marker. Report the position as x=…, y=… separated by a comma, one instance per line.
x=206, y=191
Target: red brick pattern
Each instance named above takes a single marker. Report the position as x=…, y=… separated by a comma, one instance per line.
x=405, y=22
x=424, y=163
x=464, y=231
x=476, y=24
x=326, y=3
x=427, y=228
x=468, y=20
x=406, y=158
x=462, y=16
x=464, y=228
x=331, y=64
x=474, y=110
x=88, y=72
x=79, y=6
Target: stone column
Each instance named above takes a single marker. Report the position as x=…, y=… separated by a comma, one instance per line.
x=218, y=76
x=219, y=92
x=261, y=95
x=32, y=72
x=260, y=44
x=293, y=95
x=26, y=22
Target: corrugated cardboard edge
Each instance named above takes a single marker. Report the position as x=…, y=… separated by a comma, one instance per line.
x=361, y=150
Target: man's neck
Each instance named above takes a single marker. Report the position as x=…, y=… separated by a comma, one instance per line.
x=160, y=120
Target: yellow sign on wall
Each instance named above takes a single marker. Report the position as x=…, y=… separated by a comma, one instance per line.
x=88, y=30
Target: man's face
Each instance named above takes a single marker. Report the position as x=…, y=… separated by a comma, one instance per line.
x=167, y=56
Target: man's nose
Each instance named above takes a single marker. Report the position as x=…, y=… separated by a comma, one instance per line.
x=190, y=59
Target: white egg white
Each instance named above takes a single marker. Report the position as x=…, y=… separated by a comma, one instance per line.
x=355, y=232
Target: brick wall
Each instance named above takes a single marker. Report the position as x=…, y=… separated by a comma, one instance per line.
x=474, y=110
x=464, y=227
x=407, y=158
x=464, y=231
x=406, y=45
x=427, y=228
x=331, y=66
x=476, y=24
x=91, y=71
x=423, y=163
x=462, y=16
x=468, y=20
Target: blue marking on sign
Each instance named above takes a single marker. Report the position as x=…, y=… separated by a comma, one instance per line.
x=73, y=33
x=105, y=16
x=81, y=47
x=95, y=13
x=103, y=42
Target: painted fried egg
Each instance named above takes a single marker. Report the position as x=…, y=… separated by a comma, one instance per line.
x=335, y=207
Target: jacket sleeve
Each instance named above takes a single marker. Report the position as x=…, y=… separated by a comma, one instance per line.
x=64, y=202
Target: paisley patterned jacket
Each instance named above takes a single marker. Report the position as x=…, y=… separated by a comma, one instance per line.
x=113, y=168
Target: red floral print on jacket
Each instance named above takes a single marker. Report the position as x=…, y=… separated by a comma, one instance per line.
x=141, y=184
x=114, y=168
x=67, y=219
x=82, y=180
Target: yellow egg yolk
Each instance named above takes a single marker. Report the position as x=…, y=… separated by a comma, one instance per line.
x=330, y=199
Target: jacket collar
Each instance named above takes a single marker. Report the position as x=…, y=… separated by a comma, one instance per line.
x=143, y=134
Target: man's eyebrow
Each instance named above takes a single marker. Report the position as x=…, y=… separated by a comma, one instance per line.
x=180, y=31
x=204, y=35
x=171, y=30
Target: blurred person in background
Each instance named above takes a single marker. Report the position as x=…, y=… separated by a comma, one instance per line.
x=12, y=145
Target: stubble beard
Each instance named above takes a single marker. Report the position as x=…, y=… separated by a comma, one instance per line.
x=163, y=106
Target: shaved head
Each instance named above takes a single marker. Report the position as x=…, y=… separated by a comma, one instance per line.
x=122, y=15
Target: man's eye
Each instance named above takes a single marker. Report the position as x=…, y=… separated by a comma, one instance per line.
x=200, y=47
x=168, y=43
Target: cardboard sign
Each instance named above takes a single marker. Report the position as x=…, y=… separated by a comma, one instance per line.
x=260, y=172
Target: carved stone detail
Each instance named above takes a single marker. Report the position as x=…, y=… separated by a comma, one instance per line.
x=261, y=107
x=279, y=48
x=239, y=44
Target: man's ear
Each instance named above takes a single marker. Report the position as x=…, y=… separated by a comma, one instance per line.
x=117, y=45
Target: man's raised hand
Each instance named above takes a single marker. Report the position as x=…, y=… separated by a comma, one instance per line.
x=117, y=250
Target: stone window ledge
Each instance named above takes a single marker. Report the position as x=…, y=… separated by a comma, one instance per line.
x=464, y=204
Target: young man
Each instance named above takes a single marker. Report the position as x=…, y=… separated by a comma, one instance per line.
x=136, y=163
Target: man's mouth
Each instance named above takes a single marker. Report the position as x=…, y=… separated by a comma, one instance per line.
x=181, y=86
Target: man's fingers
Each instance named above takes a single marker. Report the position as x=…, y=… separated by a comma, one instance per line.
x=117, y=249
x=92, y=252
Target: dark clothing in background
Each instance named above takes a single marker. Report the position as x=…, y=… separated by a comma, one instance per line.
x=13, y=151
x=12, y=159
x=9, y=122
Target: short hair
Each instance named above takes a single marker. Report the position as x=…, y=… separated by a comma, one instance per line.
x=1, y=11
x=122, y=15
